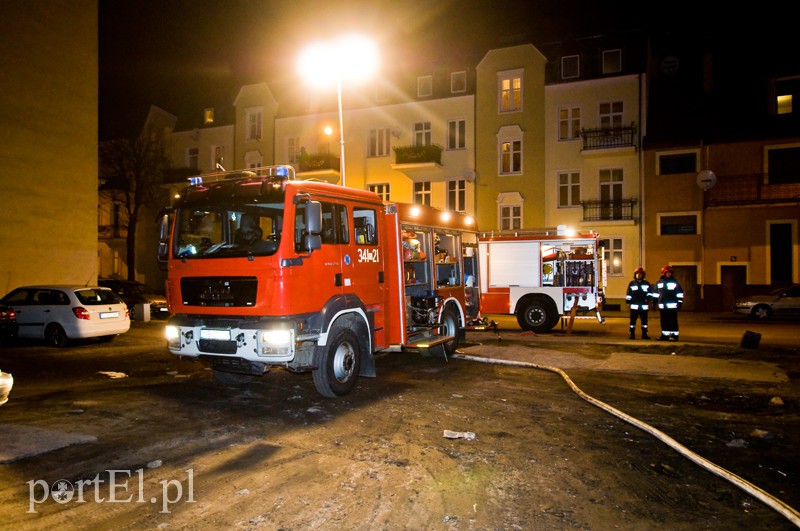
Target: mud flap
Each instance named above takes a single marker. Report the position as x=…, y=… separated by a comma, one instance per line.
x=367, y=368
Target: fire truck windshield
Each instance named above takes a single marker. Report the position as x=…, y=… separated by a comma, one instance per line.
x=228, y=231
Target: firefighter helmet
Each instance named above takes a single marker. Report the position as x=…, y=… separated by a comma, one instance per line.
x=639, y=270
x=666, y=269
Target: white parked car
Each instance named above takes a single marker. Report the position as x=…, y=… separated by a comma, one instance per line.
x=58, y=314
x=783, y=302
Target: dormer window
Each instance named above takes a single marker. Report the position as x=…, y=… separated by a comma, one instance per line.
x=208, y=116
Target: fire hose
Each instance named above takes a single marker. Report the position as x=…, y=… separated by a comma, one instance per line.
x=787, y=511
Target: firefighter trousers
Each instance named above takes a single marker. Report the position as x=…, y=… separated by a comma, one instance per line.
x=640, y=315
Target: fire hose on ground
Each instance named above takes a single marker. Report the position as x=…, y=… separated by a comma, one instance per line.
x=787, y=511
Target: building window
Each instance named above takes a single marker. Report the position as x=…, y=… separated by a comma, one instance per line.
x=570, y=66
x=569, y=123
x=254, y=120
x=364, y=226
x=510, y=91
x=612, y=254
x=611, y=115
x=611, y=181
x=677, y=223
x=457, y=195
x=510, y=217
x=292, y=149
x=673, y=163
x=782, y=164
x=569, y=189
x=784, y=104
x=217, y=157
x=382, y=189
x=192, y=157
x=422, y=193
x=424, y=86
x=379, y=142
x=612, y=61
x=422, y=134
x=510, y=157
x=458, y=82
x=208, y=116
x=456, y=132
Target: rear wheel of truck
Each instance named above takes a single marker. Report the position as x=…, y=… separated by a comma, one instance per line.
x=337, y=363
x=450, y=328
x=537, y=314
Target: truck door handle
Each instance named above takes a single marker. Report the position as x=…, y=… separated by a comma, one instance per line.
x=337, y=279
x=380, y=277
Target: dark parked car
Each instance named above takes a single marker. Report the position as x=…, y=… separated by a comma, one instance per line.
x=783, y=302
x=8, y=322
x=134, y=293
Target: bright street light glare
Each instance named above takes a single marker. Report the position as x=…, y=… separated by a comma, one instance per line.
x=349, y=58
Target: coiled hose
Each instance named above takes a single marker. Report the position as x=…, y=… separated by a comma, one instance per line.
x=787, y=511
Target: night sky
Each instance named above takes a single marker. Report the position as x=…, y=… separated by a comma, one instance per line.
x=181, y=54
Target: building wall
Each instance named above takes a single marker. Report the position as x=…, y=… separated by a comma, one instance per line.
x=246, y=150
x=48, y=208
x=363, y=171
x=569, y=155
x=530, y=183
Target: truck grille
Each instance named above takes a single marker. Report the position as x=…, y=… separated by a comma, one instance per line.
x=219, y=291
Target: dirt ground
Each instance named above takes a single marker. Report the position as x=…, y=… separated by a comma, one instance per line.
x=276, y=455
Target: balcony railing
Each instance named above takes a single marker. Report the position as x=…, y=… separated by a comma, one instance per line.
x=621, y=209
x=318, y=162
x=608, y=138
x=751, y=189
x=418, y=154
x=107, y=232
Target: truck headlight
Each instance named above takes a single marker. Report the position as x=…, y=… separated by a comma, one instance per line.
x=173, y=334
x=276, y=342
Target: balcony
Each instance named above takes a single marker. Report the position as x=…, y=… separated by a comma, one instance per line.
x=611, y=210
x=322, y=166
x=110, y=232
x=609, y=138
x=752, y=189
x=420, y=163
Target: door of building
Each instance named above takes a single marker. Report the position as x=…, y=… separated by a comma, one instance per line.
x=734, y=285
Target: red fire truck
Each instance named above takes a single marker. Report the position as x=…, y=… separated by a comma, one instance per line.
x=540, y=276
x=268, y=271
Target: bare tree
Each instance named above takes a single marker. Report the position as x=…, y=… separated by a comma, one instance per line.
x=132, y=174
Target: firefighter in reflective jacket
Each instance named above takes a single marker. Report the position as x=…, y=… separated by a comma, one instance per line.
x=670, y=300
x=638, y=299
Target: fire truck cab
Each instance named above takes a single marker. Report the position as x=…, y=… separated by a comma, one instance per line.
x=268, y=271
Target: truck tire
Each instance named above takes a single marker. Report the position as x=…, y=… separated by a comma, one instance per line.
x=450, y=328
x=537, y=314
x=336, y=365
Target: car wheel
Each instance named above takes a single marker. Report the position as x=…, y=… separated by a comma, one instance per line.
x=761, y=313
x=55, y=336
x=336, y=365
x=132, y=313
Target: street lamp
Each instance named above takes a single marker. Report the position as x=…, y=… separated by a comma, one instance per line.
x=352, y=57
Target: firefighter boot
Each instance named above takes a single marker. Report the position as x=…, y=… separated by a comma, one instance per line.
x=632, y=335
x=644, y=334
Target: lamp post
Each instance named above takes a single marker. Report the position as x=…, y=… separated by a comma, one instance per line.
x=351, y=57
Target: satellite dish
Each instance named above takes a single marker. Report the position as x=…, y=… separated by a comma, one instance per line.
x=706, y=180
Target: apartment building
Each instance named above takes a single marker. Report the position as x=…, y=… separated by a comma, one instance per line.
x=722, y=170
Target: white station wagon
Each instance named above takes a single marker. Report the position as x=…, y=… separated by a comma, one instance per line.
x=58, y=314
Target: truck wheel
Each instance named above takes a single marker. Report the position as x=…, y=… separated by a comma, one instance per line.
x=450, y=328
x=537, y=315
x=336, y=365
x=55, y=335
x=232, y=378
